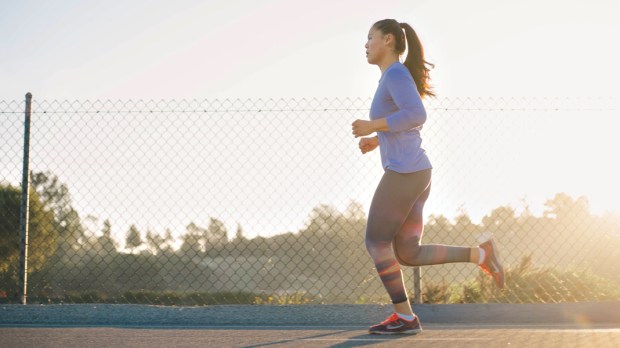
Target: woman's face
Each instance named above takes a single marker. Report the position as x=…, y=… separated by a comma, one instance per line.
x=376, y=46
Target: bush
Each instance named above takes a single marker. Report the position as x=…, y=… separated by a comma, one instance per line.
x=527, y=284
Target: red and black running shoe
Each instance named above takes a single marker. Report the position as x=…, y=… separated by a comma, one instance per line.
x=395, y=325
x=491, y=264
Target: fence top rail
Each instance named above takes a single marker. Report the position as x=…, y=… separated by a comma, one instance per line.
x=228, y=105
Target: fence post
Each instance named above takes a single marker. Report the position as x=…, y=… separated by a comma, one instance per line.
x=25, y=207
x=417, y=285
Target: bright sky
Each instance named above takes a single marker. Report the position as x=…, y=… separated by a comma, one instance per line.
x=240, y=48
x=186, y=49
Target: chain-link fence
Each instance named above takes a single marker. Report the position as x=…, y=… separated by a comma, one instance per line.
x=264, y=201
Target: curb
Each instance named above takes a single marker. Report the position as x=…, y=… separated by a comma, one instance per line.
x=582, y=314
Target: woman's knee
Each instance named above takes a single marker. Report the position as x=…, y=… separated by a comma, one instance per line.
x=371, y=245
x=381, y=231
x=407, y=252
x=377, y=248
x=400, y=259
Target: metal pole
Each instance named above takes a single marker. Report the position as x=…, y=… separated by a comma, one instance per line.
x=417, y=285
x=25, y=208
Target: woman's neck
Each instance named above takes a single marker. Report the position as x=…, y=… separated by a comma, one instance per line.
x=387, y=62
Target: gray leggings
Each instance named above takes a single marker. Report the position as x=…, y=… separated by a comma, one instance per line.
x=395, y=228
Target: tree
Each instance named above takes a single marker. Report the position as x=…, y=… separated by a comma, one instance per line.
x=42, y=236
x=106, y=241
x=440, y=223
x=355, y=211
x=98, y=240
x=464, y=230
x=563, y=207
x=500, y=219
x=193, y=240
x=216, y=233
x=239, y=234
x=55, y=196
x=463, y=223
x=158, y=243
x=134, y=240
x=168, y=240
x=323, y=218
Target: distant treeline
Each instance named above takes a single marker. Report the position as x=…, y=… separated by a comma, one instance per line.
x=325, y=261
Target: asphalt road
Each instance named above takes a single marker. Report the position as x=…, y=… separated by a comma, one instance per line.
x=493, y=325
x=434, y=335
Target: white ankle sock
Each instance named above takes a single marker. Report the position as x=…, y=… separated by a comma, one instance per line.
x=405, y=316
x=483, y=255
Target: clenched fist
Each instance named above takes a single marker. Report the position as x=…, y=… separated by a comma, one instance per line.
x=368, y=144
x=362, y=128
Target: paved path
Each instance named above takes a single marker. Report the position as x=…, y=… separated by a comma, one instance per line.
x=492, y=325
x=434, y=335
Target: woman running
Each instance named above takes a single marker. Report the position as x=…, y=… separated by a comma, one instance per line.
x=395, y=226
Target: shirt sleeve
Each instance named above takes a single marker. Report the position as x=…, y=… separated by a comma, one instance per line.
x=411, y=112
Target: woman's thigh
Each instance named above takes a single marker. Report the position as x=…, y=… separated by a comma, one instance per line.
x=393, y=201
x=413, y=226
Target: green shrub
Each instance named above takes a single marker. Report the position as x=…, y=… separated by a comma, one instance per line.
x=527, y=284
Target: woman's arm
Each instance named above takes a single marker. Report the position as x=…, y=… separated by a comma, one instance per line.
x=411, y=112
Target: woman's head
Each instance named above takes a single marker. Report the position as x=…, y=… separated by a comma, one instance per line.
x=386, y=38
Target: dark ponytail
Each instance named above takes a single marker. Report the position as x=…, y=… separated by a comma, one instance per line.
x=415, y=63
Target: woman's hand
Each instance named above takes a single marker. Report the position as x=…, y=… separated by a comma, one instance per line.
x=362, y=128
x=368, y=144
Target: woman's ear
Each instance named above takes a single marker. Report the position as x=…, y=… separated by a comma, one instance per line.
x=388, y=39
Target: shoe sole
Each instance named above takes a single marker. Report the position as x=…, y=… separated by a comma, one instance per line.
x=408, y=332
x=501, y=268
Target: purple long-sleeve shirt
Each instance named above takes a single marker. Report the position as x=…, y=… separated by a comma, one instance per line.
x=398, y=100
